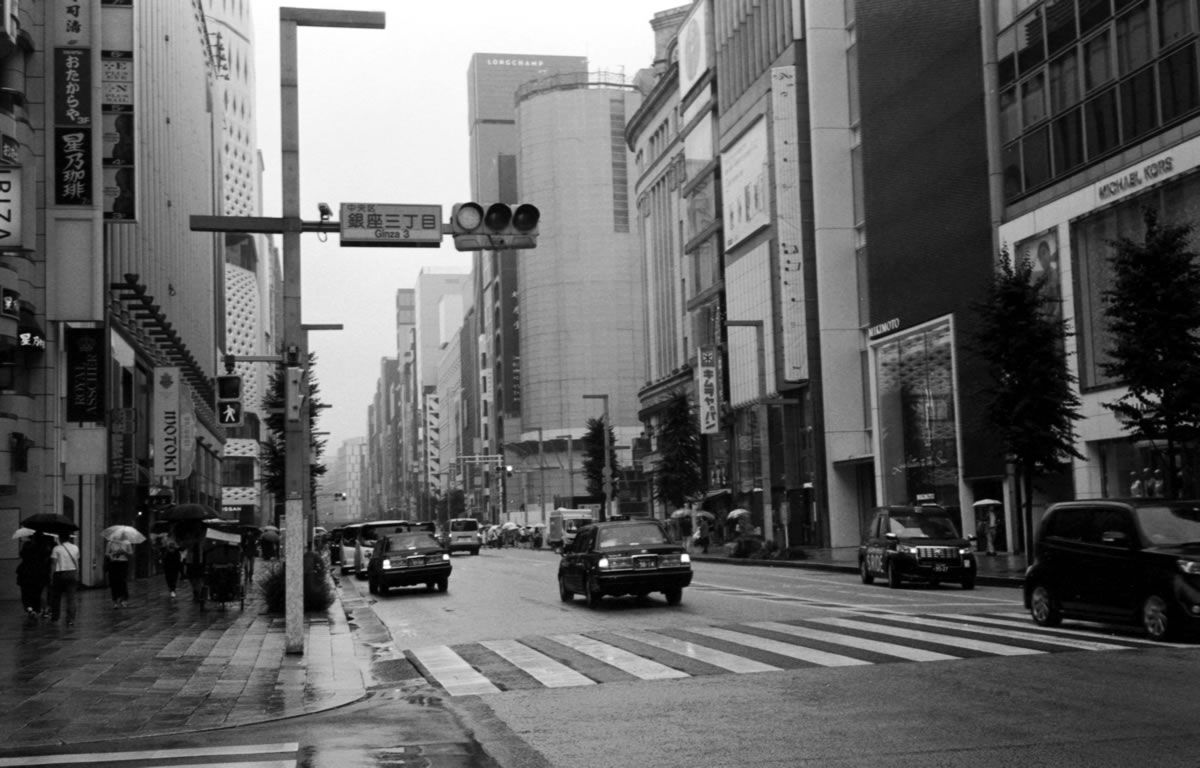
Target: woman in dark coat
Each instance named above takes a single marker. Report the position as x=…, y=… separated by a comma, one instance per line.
x=33, y=573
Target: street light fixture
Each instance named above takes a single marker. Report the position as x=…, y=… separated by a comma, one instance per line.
x=607, y=472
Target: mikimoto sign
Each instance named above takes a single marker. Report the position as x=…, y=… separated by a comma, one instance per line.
x=387, y=225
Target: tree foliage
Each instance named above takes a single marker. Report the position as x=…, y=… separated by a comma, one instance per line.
x=593, y=456
x=678, y=473
x=1030, y=398
x=1153, y=313
x=273, y=453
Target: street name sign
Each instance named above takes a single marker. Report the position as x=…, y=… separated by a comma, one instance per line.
x=387, y=225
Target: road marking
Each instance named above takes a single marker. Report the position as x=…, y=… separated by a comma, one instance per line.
x=727, y=661
x=812, y=655
x=544, y=669
x=878, y=646
x=930, y=637
x=165, y=754
x=1014, y=634
x=646, y=669
x=1023, y=620
x=451, y=672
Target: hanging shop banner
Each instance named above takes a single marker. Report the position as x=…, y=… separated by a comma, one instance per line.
x=118, y=152
x=85, y=372
x=166, y=422
x=707, y=391
x=72, y=23
x=10, y=208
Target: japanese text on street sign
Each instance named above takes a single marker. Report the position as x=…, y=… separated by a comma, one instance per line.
x=386, y=225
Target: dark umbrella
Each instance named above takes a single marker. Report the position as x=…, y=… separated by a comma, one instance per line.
x=189, y=511
x=50, y=522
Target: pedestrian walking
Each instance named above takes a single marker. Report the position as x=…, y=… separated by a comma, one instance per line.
x=118, y=554
x=33, y=573
x=64, y=579
x=172, y=563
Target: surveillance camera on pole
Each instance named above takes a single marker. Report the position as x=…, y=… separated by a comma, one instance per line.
x=494, y=227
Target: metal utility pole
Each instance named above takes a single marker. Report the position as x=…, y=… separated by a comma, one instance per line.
x=295, y=336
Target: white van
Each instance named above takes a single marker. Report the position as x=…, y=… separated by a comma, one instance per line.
x=463, y=533
x=563, y=525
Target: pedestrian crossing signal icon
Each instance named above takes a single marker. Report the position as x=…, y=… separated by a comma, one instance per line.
x=230, y=411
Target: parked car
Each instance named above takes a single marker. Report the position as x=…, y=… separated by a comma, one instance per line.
x=636, y=557
x=916, y=543
x=369, y=533
x=1133, y=561
x=463, y=533
x=348, y=545
x=405, y=559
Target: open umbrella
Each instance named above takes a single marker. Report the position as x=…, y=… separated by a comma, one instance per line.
x=681, y=513
x=736, y=513
x=50, y=522
x=189, y=511
x=123, y=533
x=509, y=526
x=266, y=528
x=23, y=533
x=988, y=503
x=272, y=535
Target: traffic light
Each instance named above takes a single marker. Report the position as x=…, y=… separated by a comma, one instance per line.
x=230, y=412
x=494, y=227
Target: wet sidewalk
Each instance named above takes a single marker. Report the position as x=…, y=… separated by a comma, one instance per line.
x=166, y=665
x=999, y=570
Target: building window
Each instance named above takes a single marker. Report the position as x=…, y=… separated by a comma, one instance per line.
x=1177, y=77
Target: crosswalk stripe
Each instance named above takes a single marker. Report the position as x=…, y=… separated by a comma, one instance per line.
x=544, y=669
x=646, y=669
x=727, y=661
x=968, y=622
x=930, y=637
x=163, y=754
x=862, y=643
x=811, y=655
x=1023, y=620
x=450, y=671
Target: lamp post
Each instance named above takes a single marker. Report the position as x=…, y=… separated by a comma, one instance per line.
x=764, y=427
x=607, y=472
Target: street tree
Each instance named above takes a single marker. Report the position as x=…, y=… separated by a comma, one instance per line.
x=1030, y=400
x=593, y=456
x=678, y=473
x=1153, y=313
x=273, y=452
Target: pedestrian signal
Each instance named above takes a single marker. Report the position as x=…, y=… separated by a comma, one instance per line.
x=494, y=227
x=230, y=411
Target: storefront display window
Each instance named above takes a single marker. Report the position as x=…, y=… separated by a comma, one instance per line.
x=918, y=423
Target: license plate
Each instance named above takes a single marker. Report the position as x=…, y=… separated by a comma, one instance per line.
x=645, y=563
x=940, y=568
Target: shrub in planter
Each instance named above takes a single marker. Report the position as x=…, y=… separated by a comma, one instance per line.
x=318, y=589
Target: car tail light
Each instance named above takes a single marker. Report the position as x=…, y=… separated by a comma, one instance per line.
x=614, y=563
x=674, y=561
x=1190, y=567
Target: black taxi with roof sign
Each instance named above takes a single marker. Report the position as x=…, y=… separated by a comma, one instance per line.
x=628, y=557
x=915, y=543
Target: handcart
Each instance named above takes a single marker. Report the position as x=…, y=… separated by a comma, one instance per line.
x=223, y=573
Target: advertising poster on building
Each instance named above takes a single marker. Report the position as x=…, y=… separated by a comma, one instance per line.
x=166, y=425
x=85, y=373
x=707, y=391
x=744, y=177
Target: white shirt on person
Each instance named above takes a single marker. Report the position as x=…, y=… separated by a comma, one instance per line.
x=65, y=557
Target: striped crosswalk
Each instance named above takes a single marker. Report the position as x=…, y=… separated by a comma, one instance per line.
x=280, y=755
x=852, y=639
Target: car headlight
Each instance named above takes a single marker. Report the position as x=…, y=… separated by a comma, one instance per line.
x=614, y=563
x=387, y=564
x=1190, y=567
x=906, y=549
x=445, y=555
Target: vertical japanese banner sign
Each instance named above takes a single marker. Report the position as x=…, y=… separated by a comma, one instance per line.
x=118, y=152
x=707, y=392
x=74, y=181
x=166, y=423
x=85, y=375
x=788, y=224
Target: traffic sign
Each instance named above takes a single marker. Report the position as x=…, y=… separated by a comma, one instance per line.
x=388, y=225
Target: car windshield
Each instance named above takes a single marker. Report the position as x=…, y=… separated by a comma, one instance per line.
x=923, y=527
x=403, y=542
x=642, y=535
x=1170, y=525
x=464, y=525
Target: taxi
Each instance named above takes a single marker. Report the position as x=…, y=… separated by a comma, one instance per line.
x=916, y=543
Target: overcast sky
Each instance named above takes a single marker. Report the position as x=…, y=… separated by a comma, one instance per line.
x=383, y=119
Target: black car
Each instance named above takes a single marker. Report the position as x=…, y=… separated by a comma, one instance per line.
x=916, y=543
x=632, y=557
x=1134, y=561
x=405, y=559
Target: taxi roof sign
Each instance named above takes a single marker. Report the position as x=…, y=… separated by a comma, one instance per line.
x=388, y=225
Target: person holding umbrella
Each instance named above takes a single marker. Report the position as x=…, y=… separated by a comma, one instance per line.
x=64, y=578
x=118, y=552
x=33, y=572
